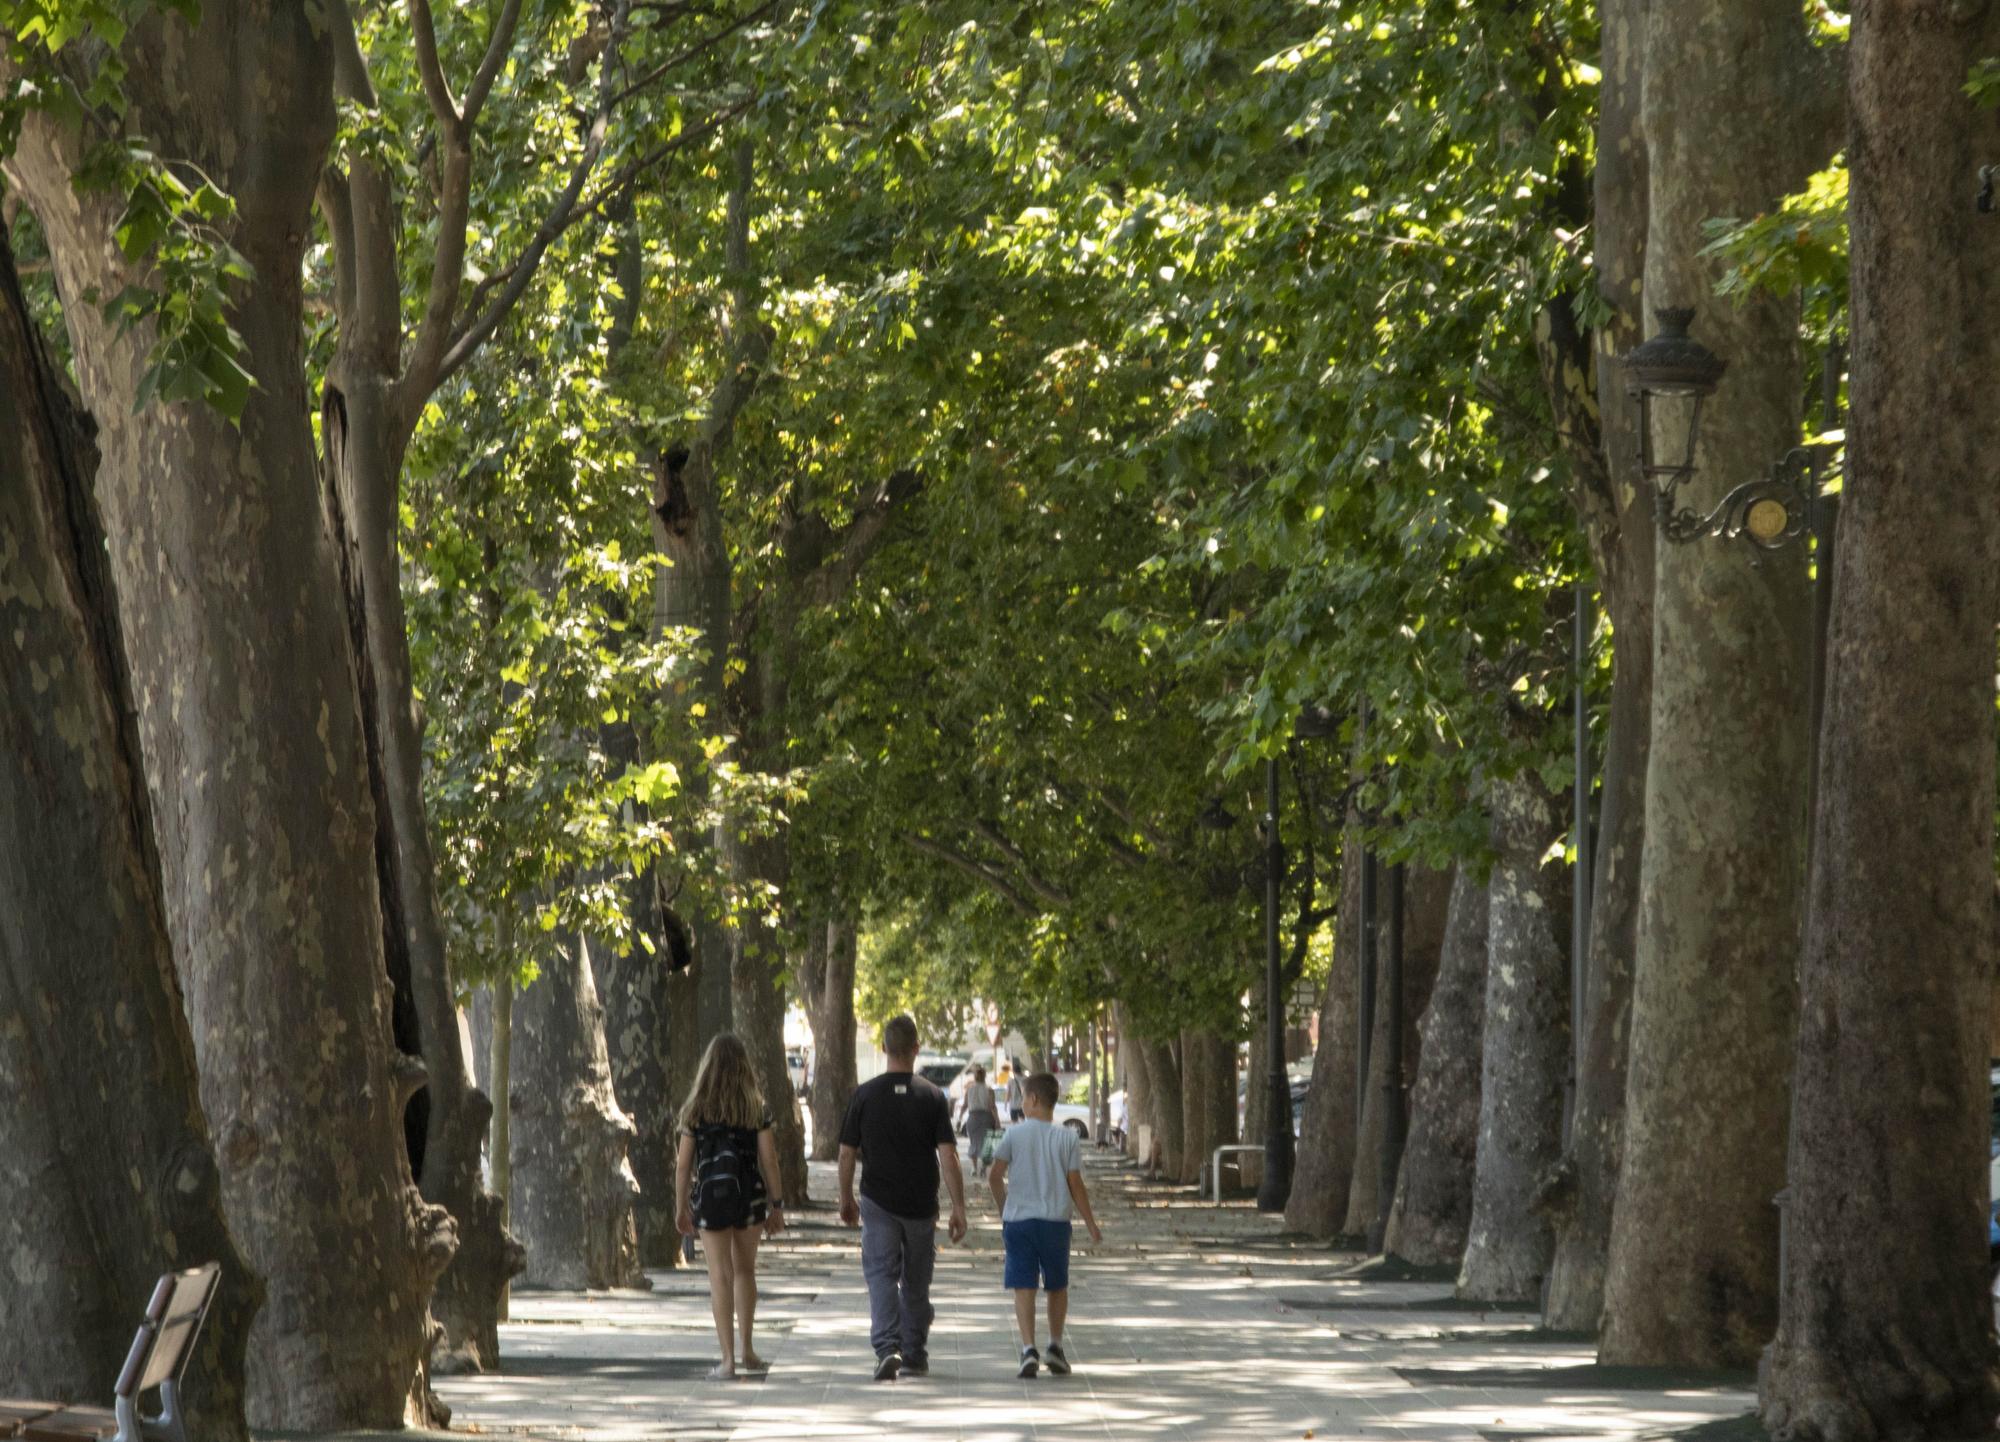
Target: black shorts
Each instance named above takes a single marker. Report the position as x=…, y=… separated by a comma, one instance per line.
x=747, y=1212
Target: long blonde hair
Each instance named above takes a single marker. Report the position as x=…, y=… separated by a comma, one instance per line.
x=725, y=1088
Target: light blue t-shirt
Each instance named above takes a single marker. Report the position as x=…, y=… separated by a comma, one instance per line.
x=1039, y=1157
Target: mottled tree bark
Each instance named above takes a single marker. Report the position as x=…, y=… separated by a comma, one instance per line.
x=1138, y=1088
x=1207, y=1099
x=1326, y=1157
x=757, y=999
x=1426, y=896
x=1731, y=93
x=107, y=1172
x=245, y=681
x=1525, y=1053
x=1197, y=1059
x=1433, y=1209
x=1257, y=1095
x=573, y=1189
x=1891, y=1109
x=449, y=1116
x=692, y=592
x=1163, y=1105
x=1615, y=505
x=638, y=1036
x=832, y=1017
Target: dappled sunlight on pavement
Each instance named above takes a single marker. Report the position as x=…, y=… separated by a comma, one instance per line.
x=1191, y=1322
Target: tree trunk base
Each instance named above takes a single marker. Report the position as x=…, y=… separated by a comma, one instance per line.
x=467, y=1301
x=1877, y=1383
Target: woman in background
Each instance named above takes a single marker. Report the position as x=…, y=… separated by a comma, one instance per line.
x=981, y=1117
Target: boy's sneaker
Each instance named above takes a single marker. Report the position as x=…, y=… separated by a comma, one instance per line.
x=1031, y=1362
x=888, y=1366
x=921, y=1367
x=1058, y=1363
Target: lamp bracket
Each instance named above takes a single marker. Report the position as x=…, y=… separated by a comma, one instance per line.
x=1769, y=513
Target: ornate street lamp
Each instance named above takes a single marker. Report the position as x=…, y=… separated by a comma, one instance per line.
x=1671, y=374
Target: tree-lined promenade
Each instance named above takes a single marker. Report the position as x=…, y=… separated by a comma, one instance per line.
x=531, y=537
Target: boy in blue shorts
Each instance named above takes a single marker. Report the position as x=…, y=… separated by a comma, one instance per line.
x=1037, y=1173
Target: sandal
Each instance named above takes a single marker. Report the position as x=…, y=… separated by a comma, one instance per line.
x=716, y=1374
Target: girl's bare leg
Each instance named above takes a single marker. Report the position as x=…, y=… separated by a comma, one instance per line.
x=720, y=1250
x=743, y=1245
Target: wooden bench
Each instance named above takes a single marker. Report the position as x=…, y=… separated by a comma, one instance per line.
x=159, y=1355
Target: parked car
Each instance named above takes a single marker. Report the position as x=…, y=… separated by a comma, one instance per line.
x=1075, y=1116
x=1300, y=1086
x=941, y=1069
x=795, y=1068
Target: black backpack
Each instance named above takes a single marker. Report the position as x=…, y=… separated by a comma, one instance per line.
x=725, y=1169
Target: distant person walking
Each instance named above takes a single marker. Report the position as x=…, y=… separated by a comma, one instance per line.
x=898, y=1126
x=726, y=1188
x=981, y=1117
x=1017, y=1097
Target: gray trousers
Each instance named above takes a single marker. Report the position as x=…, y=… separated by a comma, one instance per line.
x=898, y=1255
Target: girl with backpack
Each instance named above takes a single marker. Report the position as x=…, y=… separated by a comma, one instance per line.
x=726, y=1188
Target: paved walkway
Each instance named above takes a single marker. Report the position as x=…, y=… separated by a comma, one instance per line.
x=1191, y=1322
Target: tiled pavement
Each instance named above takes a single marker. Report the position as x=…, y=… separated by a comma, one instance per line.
x=1192, y=1322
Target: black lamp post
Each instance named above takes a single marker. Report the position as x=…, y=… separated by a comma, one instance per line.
x=1276, y=1187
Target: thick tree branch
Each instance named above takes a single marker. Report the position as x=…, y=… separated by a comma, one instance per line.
x=423, y=372
x=1122, y=851
x=833, y=576
x=978, y=871
x=437, y=90
x=995, y=837
x=497, y=46
x=337, y=205
x=699, y=48
x=1119, y=807
x=561, y=215
x=350, y=66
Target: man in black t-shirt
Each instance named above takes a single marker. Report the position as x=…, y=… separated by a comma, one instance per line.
x=899, y=1127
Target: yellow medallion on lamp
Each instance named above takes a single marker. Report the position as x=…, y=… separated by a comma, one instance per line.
x=1767, y=520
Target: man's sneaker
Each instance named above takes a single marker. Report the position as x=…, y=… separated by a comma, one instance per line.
x=920, y=1367
x=1031, y=1362
x=1058, y=1363
x=888, y=1366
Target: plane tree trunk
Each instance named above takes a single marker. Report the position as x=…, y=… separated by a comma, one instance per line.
x=1163, y=1104
x=573, y=1189
x=1615, y=506
x=85, y=954
x=1525, y=1051
x=1197, y=1062
x=1138, y=1087
x=831, y=1013
x=245, y=680
x=1426, y=896
x=638, y=1038
x=1735, y=117
x=1323, y=1171
x=1433, y=1207
x=757, y=999
x=1891, y=1105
